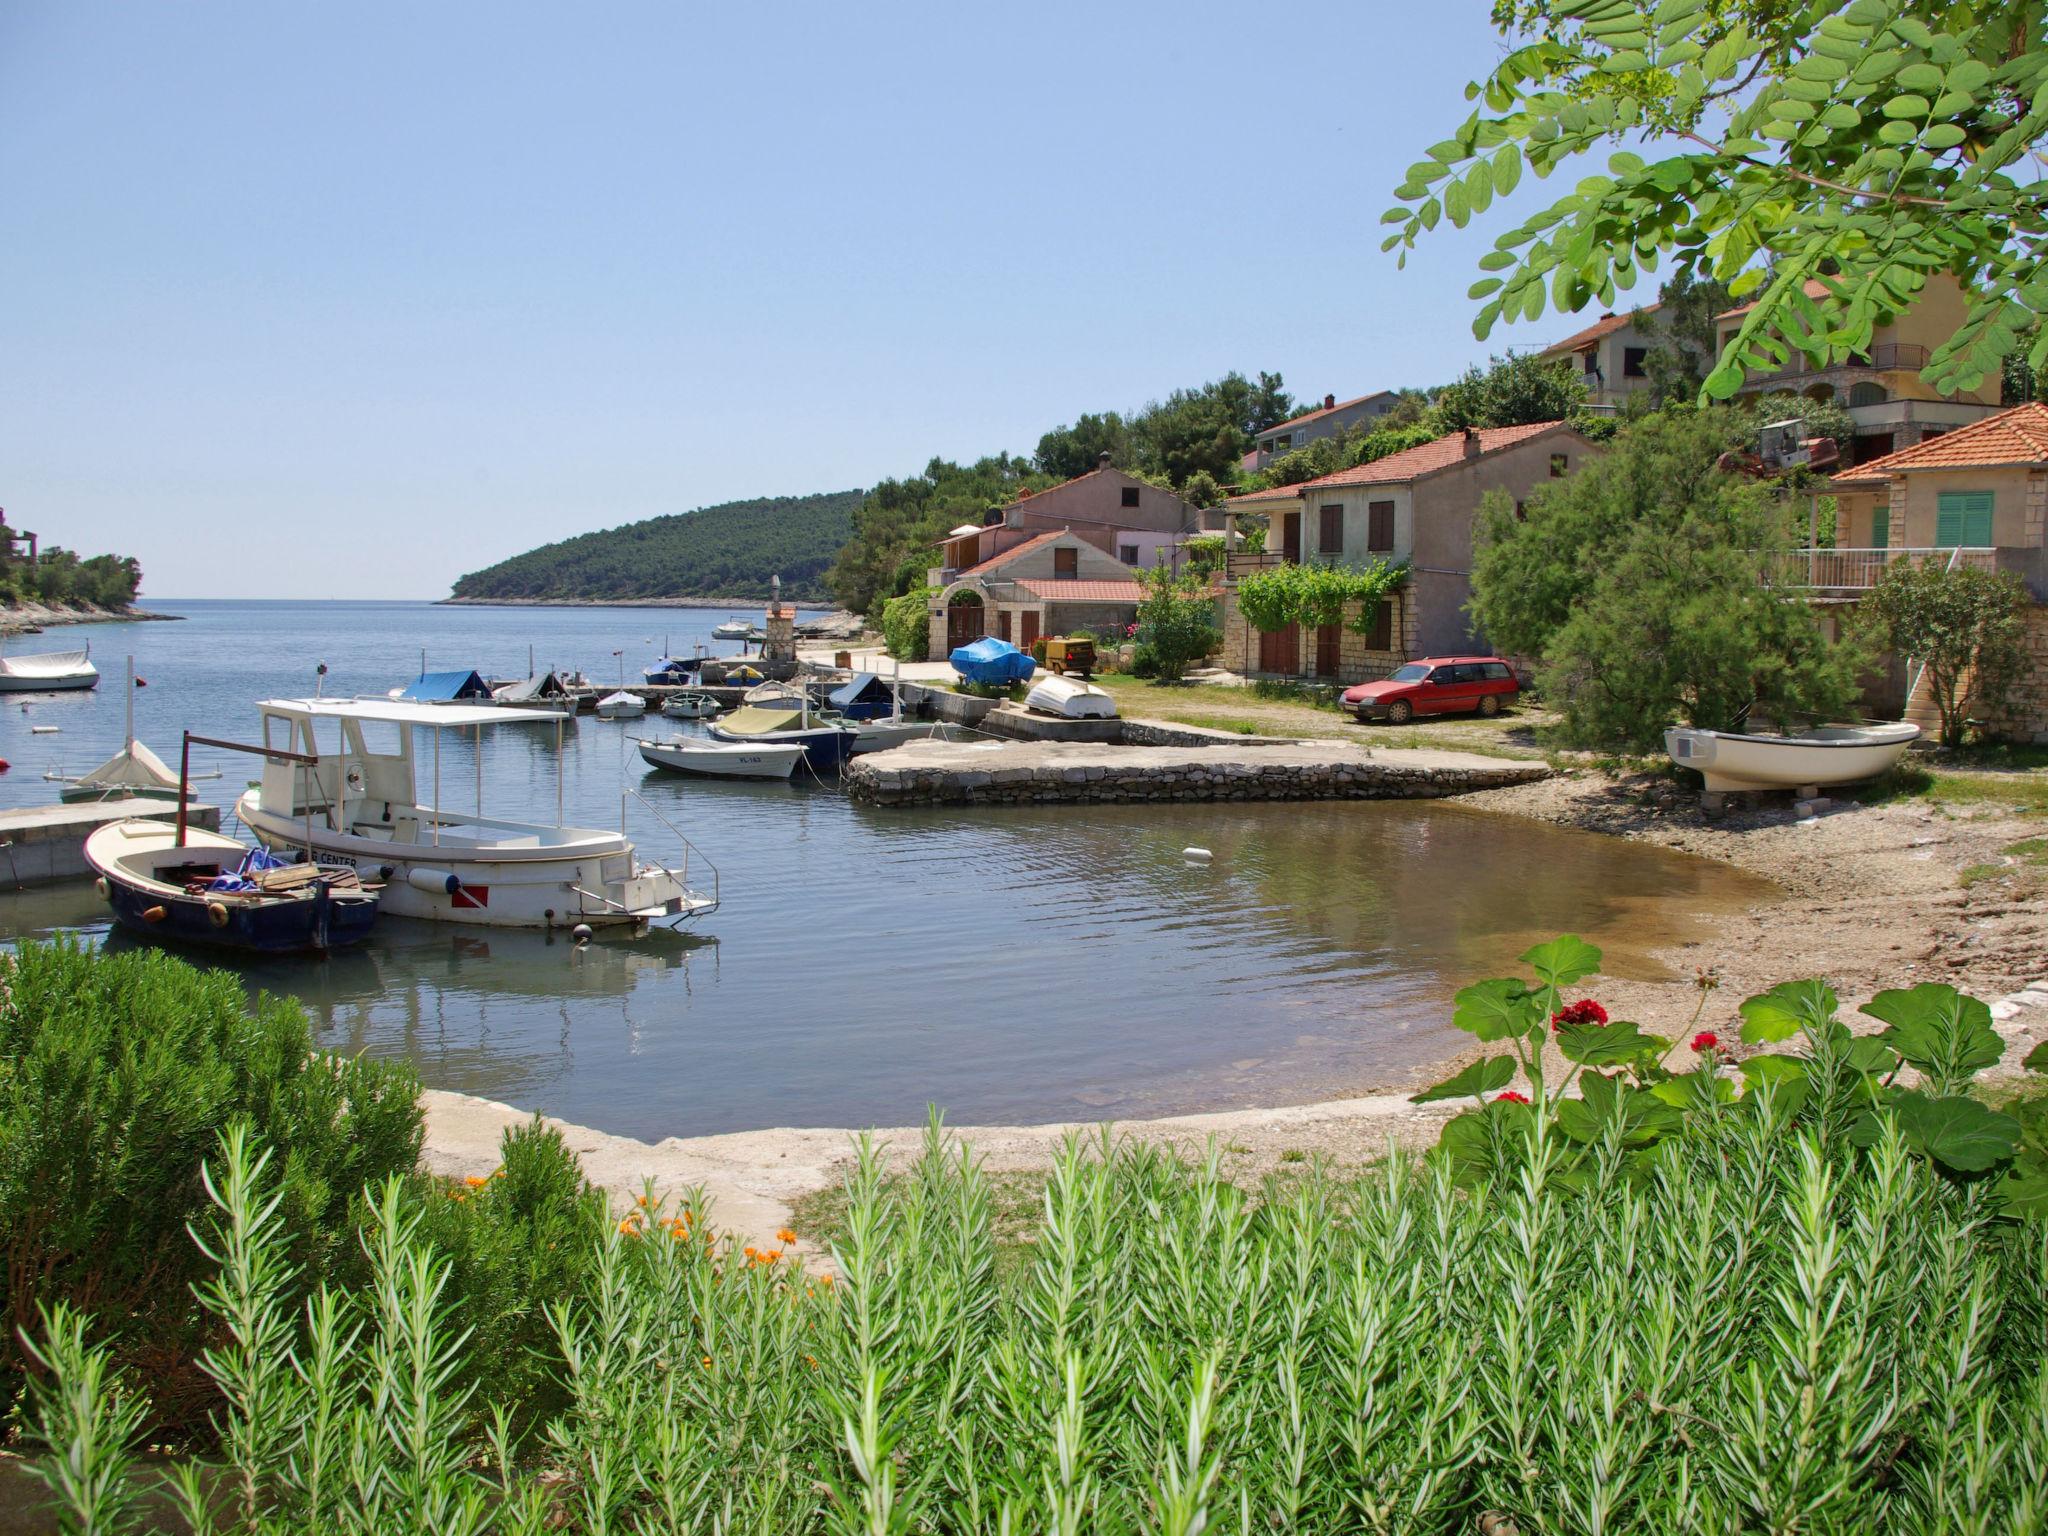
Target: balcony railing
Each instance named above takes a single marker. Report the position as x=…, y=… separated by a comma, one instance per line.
x=1243, y=562
x=1885, y=356
x=1858, y=570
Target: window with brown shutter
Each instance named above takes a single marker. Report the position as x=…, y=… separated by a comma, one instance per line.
x=1379, y=528
x=1332, y=541
x=1066, y=562
x=1381, y=637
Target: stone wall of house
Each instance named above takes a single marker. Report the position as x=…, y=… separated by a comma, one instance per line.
x=1358, y=662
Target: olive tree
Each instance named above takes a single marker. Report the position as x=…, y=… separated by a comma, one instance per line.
x=1965, y=627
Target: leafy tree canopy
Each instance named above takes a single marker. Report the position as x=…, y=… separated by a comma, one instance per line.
x=1511, y=392
x=1966, y=627
x=896, y=525
x=61, y=577
x=728, y=550
x=1863, y=145
x=1638, y=583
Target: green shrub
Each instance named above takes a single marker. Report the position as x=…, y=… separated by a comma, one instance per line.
x=1145, y=660
x=117, y=1074
x=906, y=627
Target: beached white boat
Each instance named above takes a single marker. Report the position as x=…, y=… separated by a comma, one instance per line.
x=1070, y=699
x=691, y=706
x=621, y=706
x=48, y=672
x=723, y=759
x=1831, y=754
x=358, y=804
x=133, y=772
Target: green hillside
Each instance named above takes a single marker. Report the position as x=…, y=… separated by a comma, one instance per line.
x=726, y=551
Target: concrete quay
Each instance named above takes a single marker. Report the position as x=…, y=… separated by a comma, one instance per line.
x=1033, y=772
x=41, y=844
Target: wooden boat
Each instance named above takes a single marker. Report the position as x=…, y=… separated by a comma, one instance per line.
x=198, y=887
x=621, y=706
x=1832, y=754
x=48, y=672
x=723, y=759
x=1070, y=699
x=355, y=804
x=691, y=706
x=826, y=743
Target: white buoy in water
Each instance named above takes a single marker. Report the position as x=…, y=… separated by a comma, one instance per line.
x=42, y=730
x=1197, y=855
x=580, y=933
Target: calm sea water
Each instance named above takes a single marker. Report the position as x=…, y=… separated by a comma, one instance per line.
x=1019, y=964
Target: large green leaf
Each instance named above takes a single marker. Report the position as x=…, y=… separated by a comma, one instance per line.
x=1477, y=1080
x=1787, y=1008
x=1605, y=1102
x=2024, y=1189
x=1498, y=1009
x=1957, y=1132
x=2036, y=1060
x=1941, y=1031
x=1607, y=1045
x=1563, y=960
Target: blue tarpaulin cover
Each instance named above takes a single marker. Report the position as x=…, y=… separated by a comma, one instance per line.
x=254, y=862
x=865, y=698
x=440, y=687
x=990, y=660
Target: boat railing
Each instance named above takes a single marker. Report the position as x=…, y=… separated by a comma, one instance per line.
x=690, y=849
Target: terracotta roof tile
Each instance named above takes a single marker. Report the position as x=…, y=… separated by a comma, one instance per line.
x=1446, y=452
x=2017, y=436
x=1067, y=589
x=1606, y=325
x=1014, y=551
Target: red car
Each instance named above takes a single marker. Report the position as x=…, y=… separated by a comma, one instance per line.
x=1436, y=685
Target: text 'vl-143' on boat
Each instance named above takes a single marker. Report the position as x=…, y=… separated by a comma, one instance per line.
x=358, y=803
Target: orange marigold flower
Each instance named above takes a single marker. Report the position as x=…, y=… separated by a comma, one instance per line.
x=751, y=1251
x=630, y=1226
x=825, y=1280
x=641, y=1201
x=811, y=1361
x=475, y=1183
x=784, y=1235
x=707, y=1362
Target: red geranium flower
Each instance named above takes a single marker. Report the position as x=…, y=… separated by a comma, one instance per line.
x=1509, y=1096
x=1705, y=1040
x=1584, y=1011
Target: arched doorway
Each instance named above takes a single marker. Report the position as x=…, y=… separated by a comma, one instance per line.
x=966, y=619
x=1867, y=393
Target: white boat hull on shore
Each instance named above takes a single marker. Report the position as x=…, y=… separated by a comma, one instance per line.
x=1836, y=754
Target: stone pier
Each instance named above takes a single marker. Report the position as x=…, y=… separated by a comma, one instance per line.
x=1033, y=772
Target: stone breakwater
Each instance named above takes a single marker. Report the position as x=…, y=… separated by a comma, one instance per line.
x=1028, y=773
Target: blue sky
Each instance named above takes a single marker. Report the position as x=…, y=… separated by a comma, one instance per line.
x=316, y=301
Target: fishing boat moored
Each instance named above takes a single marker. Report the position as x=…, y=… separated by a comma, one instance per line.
x=691, y=706
x=48, y=672
x=621, y=706
x=722, y=759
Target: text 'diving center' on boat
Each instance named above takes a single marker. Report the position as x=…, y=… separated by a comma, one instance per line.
x=358, y=803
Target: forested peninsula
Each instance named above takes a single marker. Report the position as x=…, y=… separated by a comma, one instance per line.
x=723, y=552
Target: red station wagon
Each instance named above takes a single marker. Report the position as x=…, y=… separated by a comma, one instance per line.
x=1436, y=685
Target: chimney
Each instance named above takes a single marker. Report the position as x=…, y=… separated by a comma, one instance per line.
x=1102, y=460
x=1329, y=402
x=1471, y=442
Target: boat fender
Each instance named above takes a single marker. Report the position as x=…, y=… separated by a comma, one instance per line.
x=5, y=765
x=154, y=914
x=217, y=913
x=1197, y=855
x=100, y=889
x=436, y=882
x=142, y=682
x=385, y=872
x=580, y=933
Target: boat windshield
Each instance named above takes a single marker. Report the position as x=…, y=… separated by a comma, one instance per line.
x=1414, y=672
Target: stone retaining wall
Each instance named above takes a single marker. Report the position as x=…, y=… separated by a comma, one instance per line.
x=1255, y=774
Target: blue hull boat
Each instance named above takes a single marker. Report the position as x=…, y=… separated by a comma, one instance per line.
x=826, y=744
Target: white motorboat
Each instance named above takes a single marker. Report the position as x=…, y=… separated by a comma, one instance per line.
x=357, y=803
x=691, y=706
x=733, y=629
x=723, y=759
x=1830, y=754
x=48, y=672
x=621, y=706
x=1070, y=699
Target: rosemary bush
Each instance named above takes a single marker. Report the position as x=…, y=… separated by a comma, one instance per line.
x=117, y=1074
x=1781, y=1312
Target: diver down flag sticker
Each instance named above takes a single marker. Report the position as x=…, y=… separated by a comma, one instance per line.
x=471, y=896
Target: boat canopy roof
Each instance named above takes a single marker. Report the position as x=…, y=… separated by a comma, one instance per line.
x=448, y=686
x=756, y=719
x=545, y=686
x=405, y=712
x=866, y=688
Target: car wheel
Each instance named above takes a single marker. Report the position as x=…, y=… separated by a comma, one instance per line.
x=1489, y=705
x=1400, y=712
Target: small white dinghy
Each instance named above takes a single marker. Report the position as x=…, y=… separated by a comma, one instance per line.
x=1070, y=699
x=723, y=759
x=48, y=672
x=1829, y=754
x=621, y=706
x=691, y=706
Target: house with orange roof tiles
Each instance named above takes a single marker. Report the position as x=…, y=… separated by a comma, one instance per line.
x=1326, y=420
x=1417, y=507
x=1611, y=356
x=1053, y=583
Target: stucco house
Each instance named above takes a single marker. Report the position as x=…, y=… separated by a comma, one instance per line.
x=1974, y=496
x=1611, y=355
x=1892, y=405
x=1417, y=506
x=1326, y=420
x=1131, y=520
x=1052, y=583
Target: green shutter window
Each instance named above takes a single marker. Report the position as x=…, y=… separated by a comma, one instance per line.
x=1963, y=520
x=1881, y=528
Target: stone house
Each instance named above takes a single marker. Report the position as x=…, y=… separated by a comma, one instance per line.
x=1882, y=389
x=1326, y=420
x=1133, y=521
x=1053, y=583
x=1974, y=496
x=1417, y=506
x=1611, y=355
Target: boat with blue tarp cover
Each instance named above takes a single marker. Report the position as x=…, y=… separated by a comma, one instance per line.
x=866, y=697
x=989, y=660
